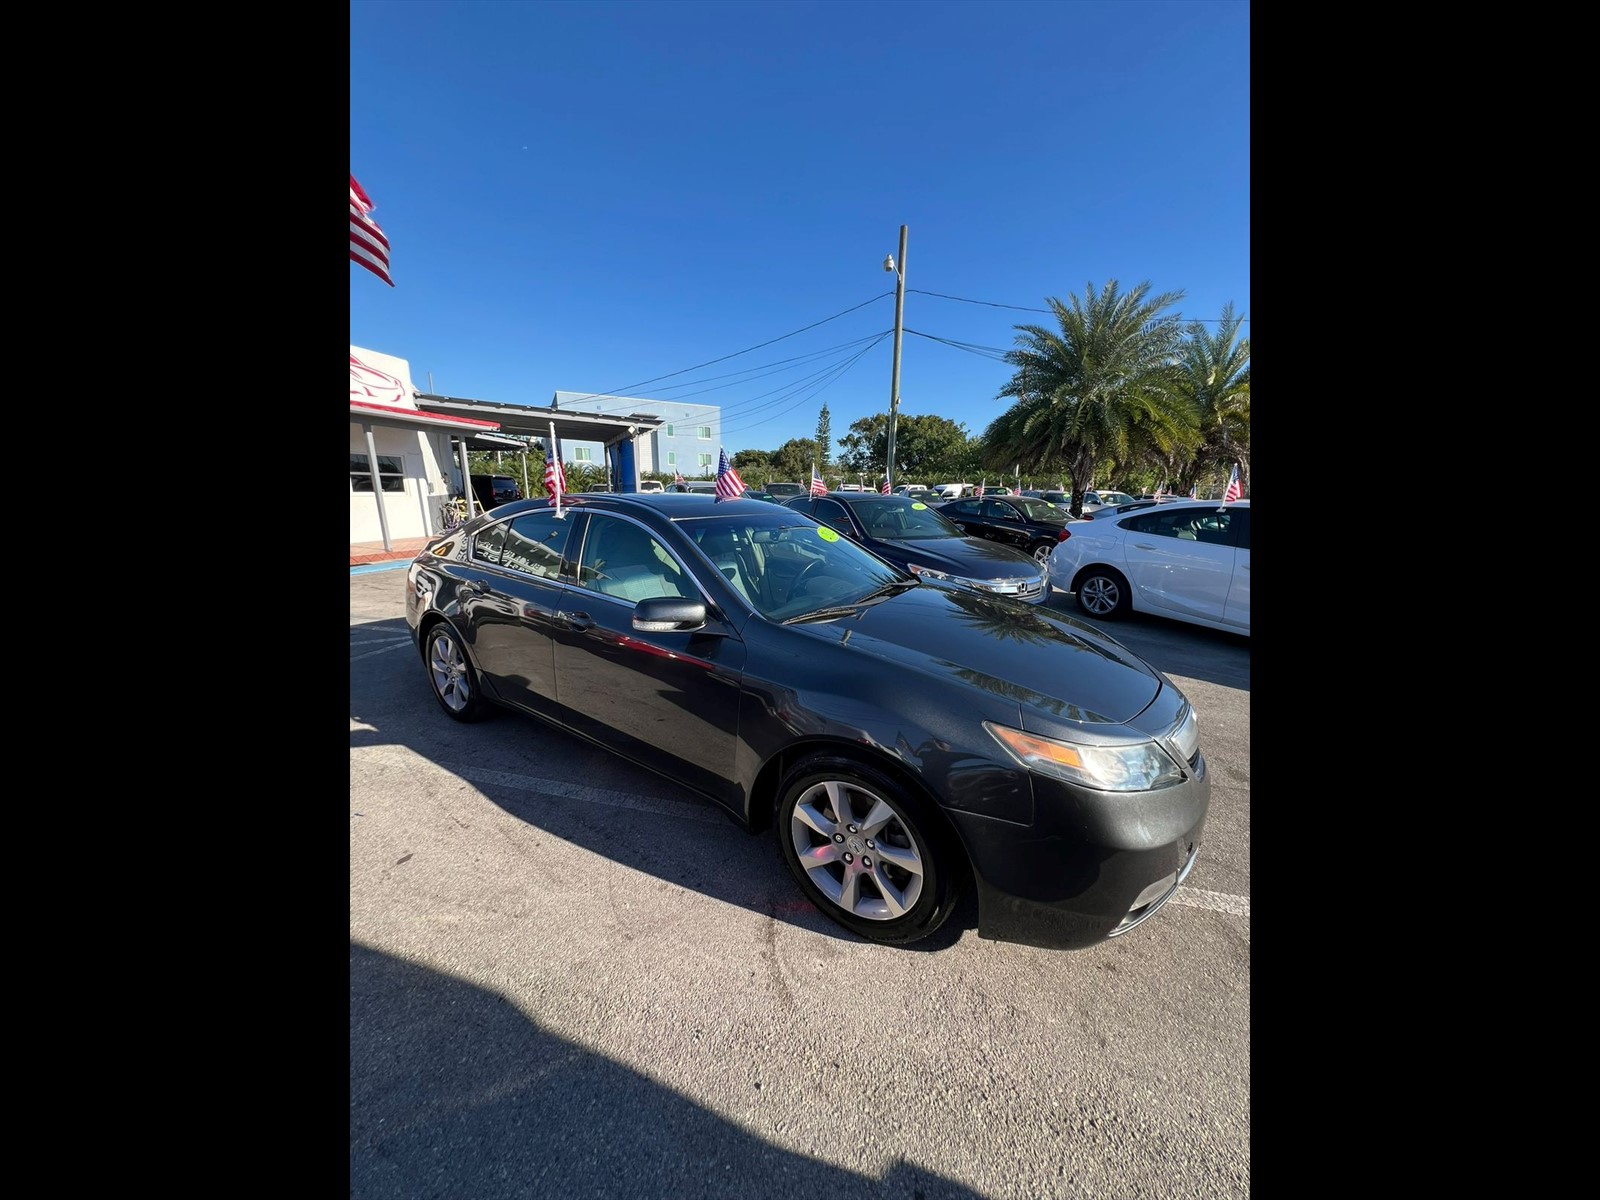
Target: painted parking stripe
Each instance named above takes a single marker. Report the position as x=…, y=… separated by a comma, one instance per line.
x=385, y=650
x=1239, y=906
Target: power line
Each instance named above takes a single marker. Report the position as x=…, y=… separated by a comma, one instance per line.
x=994, y=352
x=611, y=392
x=1050, y=311
x=837, y=373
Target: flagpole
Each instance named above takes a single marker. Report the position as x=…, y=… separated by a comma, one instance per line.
x=555, y=476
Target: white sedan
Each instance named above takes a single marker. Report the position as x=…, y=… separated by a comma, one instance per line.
x=1188, y=560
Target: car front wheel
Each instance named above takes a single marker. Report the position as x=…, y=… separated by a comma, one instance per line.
x=1103, y=592
x=863, y=850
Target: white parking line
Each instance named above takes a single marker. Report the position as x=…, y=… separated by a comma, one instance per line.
x=387, y=641
x=385, y=650
x=1239, y=906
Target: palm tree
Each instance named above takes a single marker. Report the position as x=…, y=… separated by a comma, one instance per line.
x=1105, y=386
x=1216, y=378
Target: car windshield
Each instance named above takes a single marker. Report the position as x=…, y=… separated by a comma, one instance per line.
x=1115, y=498
x=901, y=518
x=788, y=566
x=1037, y=510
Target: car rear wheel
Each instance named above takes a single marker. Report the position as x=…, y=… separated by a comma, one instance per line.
x=1103, y=592
x=1041, y=552
x=450, y=672
x=863, y=850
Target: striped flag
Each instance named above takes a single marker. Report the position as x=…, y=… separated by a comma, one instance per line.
x=1194, y=492
x=884, y=486
x=368, y=246
x=1235, y=488
x=555, y=477
x=729, y=485
x=677, y=477
x=818, y=488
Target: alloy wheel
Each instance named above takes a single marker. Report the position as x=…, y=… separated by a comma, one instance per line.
x=857, y=850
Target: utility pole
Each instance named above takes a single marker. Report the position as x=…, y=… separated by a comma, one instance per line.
x=899, y=325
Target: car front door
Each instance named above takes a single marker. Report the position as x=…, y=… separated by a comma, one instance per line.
x=1004, y=524
x=668, y=700
x=1237, y=611
x=1181, y=562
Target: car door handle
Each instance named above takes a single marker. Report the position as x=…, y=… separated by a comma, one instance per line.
x=477, y=586
x=576, y=620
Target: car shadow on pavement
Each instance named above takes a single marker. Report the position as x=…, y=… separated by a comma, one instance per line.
x=456, y=1093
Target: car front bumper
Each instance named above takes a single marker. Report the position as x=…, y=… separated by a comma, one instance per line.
x=1092, y=866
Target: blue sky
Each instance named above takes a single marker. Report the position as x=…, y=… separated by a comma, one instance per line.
x=602, y=196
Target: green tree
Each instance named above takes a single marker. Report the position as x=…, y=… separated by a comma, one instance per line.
x=824, y=439
x=1104, y=386
x=1216, y=378
x=754, y=467
x=792, y=460
x=924, y=445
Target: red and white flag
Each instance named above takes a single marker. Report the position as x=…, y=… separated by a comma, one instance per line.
x=1235, y=488
x=729, y=485
x=884, y=486
x=677, y=477
x=368, y=246
x=555, y=476
x=818, y=488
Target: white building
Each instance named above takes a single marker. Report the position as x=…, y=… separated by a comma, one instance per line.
x=401, y=465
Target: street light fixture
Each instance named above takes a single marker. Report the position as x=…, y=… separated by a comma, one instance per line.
x=899, y=325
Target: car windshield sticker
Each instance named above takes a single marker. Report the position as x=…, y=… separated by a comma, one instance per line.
x=827, y=534
x=919, y=504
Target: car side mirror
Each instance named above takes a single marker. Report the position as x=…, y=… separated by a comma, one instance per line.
x=669, y=614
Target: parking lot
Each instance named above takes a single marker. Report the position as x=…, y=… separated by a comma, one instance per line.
x=570, y=976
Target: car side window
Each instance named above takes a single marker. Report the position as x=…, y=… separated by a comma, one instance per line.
x=487, y=544
x=533, y=545
x=832, y=514
x=999, y=510
x=623, y=560
x=803, y=506
x=1241, y=528
x=963, y=508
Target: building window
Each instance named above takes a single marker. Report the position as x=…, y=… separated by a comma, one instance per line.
x=705, y=433
x=705, y=464
x=581, y=454
x=391, y=473
x=672, y=458
x=669, y=430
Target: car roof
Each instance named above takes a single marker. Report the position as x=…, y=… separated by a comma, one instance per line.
x=674, y=506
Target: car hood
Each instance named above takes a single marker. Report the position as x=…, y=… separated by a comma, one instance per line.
x=1038, y=658
x=971, y=557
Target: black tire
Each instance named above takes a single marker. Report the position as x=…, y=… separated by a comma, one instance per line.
x=900, y=882
x=1103, y=592
x=451, y=675
x=1041, y=551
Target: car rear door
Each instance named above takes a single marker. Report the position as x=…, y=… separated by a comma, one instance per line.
x=1237, y=611
x=509, y=597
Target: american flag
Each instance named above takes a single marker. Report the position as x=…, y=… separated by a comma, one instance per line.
x=729, y=485
x=1194, y=492
x=677, y=478
x=555, y=478
x=368, y=246
x=1235, y=488
x=818, y=488
x=884, y=486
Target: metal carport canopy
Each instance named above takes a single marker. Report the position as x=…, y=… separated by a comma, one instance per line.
x=534, y=422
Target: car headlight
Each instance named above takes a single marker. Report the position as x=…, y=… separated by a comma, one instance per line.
x=929, y=572
x=1106, y=767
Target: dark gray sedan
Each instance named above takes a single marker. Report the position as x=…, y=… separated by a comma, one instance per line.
x=912, y=535
x=904, y=739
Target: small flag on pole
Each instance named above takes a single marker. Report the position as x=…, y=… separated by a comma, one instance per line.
x=368, y=246
x=818, y=488
x=1194, y=492
x=677, y=478
x=884, y=486
x=729, y=485
x=555, y=479
x=1235, y=488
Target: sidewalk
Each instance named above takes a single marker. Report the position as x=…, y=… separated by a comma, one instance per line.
x=405, y=549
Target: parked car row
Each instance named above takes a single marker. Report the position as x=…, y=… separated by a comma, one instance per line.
x=902, y=733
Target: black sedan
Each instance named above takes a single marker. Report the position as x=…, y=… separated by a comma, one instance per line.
x=912, y=535
x=902, y=739
x=1033, y=526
